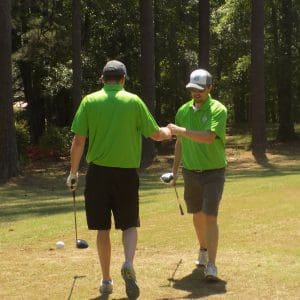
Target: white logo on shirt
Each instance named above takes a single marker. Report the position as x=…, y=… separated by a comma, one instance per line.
x=204, y=119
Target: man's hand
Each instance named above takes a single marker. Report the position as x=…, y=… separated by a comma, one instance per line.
x=175, y=177
x=163, y=133
x=175, y=130
x=169, y=178
x=72, y=181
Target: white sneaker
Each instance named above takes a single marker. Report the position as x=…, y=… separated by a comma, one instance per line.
x=202, y=258
x=211, y=272
x=106, y=287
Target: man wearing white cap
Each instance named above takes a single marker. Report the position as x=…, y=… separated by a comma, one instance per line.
x=200, y=146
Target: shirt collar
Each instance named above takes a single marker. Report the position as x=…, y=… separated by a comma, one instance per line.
x=205, y=105
x=113, y=87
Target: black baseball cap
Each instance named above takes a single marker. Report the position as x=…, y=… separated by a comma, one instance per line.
x=114, y=67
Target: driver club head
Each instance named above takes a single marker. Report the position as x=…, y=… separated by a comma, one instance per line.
x=167, y=177
x=81, y=244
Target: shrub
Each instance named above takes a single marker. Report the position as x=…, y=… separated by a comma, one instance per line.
x=23, y=138
x=55, y=141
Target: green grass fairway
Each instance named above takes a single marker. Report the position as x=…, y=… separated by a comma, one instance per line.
x=259, y=247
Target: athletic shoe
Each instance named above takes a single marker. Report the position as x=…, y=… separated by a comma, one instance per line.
x=202, y=258
x=211, y=272
x=106, y=287
x=132, y=288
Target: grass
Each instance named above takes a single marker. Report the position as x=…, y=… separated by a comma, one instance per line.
x=258, y=257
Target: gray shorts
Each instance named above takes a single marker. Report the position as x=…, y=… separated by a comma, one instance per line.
x=203, y=190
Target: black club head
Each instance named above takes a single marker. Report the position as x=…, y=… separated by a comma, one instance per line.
x=81, y=244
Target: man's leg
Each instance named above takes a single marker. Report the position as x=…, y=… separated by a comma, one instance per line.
x=104, y=252
x=129, y=239
x=200, y=228
x=212, y=237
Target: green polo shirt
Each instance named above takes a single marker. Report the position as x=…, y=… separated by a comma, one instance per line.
x=210, y=117
x=114, y=121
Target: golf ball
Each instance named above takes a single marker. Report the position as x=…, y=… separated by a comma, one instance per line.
x=60, y=244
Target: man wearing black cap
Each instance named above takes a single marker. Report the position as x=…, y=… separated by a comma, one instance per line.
x=200, y=129
x=113, y=120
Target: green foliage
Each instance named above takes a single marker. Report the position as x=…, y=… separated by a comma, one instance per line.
x=230, y=56
x=22, y=136
x=176, y=38
x=56, y=141
x=111, y=30
x=58, y=77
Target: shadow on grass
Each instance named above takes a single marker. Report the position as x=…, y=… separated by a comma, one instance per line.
x=36, y=196
x=73, y=284
x=197, y=286
x=266, y=170
x=31, y=209
x=107, y=297
x=42, y=192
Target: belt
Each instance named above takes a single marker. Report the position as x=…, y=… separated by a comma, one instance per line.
x=206, y=171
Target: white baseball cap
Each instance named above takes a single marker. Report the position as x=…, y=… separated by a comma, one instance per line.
x=199, y=79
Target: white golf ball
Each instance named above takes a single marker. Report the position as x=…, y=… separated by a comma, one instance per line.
x=60, y=244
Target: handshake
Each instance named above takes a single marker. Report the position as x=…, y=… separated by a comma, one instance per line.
x=167, y=132
x=174, y=129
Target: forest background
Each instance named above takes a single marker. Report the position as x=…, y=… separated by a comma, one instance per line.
x=52, y=53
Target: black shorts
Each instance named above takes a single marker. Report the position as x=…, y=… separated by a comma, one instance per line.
x=203, y=190
x=111, y=190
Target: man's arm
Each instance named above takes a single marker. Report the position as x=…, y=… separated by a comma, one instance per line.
x=163, y=133
x=204, y=137
x=77, y=149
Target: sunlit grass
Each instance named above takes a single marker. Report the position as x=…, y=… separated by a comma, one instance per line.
x=258, y=255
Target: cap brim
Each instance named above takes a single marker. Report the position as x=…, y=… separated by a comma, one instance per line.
x=195, y=86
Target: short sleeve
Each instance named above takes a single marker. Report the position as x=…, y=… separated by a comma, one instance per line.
x=80, y=121
x=147, y=123
x=218, y=123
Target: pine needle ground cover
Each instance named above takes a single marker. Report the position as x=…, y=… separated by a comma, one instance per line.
x=259, y=251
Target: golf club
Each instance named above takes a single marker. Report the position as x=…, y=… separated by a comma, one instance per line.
x=80, y=244
x=180, y=207
x=167, y=178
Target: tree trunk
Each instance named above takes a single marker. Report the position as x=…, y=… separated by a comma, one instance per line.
x=147, y=71
x=76, y=53
x=258, y=115
x=8, y=146
x=36, y=106
x=275, y=59
x=286, y=131
x=203, y=58
x=32, y=76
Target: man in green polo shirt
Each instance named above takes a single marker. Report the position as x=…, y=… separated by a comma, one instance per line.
x=113, y=120
x=200, y=146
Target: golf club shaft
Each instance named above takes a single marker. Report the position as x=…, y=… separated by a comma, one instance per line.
x=177, y=197
x=75, y=219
